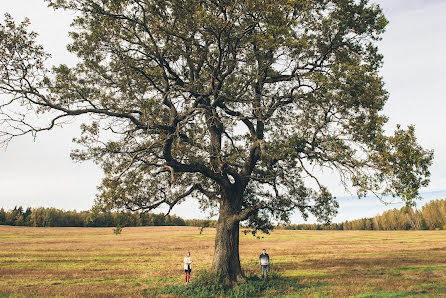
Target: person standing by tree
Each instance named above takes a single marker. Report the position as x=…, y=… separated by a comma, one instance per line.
x=264, y=263
x=187, y=266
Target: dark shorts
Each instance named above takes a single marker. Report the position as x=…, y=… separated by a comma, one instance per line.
x=188, y=270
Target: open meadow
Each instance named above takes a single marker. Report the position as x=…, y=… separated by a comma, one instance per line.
x=147, y=261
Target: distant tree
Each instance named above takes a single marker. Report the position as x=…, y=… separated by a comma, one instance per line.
x=2, y=216
x=102, y=219
x=377, y=222
x=27, y=216
x=52, y=218
x=19, y=221
x=137, y=219
x=158, y=219
x=11, y=216
x=202, y=223
x=368, y=225
x=434, y=214
x=122, y=219
x=17, y=216
x=417, y=220
x=178, y=221
x=408, y=219
x=117, y=230
x=34, y=218
x=146, y=219
x=237, y=103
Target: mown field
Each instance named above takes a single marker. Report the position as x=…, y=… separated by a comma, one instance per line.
x=147, y=261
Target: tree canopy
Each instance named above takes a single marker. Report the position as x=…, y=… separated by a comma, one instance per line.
x=239, y=104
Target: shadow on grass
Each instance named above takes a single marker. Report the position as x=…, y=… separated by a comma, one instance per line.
x=390, y=294
x=208, y=284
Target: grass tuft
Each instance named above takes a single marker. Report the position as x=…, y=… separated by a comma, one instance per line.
x=391, y=294
x=208, y=284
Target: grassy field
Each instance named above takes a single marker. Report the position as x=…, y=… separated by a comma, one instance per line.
x=147, y=261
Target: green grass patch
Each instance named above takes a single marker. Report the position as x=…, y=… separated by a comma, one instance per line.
x=438, y=288
x=303, y=273
x=419, y=268
x=390, y=294
x=208, y=284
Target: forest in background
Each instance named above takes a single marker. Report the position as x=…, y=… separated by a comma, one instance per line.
x=431, y=216
x=52, y=217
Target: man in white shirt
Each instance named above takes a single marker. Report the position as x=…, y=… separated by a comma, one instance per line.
x=264, y=263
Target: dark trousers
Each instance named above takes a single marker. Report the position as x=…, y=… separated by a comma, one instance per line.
x=265, y=269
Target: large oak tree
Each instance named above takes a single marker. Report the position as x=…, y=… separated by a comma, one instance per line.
x=238, y=103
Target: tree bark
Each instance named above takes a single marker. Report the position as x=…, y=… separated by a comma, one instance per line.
x=226, y=260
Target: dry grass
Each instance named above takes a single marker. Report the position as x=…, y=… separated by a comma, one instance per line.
x=95, y=262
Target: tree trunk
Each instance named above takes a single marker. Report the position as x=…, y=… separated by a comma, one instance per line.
x=226, y=260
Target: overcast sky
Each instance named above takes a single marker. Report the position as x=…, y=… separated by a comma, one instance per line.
x=41, y=173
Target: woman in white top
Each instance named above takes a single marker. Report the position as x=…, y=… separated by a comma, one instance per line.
x=187, y=266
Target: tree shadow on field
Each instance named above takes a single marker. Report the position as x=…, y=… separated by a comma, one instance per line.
x=208, y=284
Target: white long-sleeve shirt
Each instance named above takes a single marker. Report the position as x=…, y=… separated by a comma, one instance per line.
x=264, y=259
x=187, y=262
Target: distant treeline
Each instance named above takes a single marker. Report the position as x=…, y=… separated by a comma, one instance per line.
x=52, y=217
x=432, y=216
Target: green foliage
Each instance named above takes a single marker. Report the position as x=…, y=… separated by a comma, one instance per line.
x=203, y=223
x=15, y=217
x=403, y=164
x=117, y=230
x=208, y=284
x=2, y=217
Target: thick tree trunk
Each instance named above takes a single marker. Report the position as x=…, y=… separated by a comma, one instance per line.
x=226, y=260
